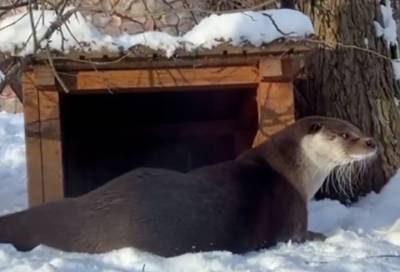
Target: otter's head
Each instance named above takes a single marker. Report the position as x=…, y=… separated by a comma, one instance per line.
x=309, y=150
x=334, y=142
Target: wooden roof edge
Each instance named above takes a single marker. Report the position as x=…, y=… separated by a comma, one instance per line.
x=143, y=57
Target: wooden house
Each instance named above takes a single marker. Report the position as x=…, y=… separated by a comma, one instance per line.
x=89, y=119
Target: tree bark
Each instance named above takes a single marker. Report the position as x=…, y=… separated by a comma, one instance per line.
x=288, y=4
x=353, y=84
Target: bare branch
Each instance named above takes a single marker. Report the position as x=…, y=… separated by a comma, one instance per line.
x=13, y=23
x=31, y=19
x=157, y=14
x=276, y=25
x=11, y=75
x=14, y=5
x=54, y=71
x=60, y=20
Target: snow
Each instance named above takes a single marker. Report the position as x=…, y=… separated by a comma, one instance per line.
x=2, y=76
x=396, y=68
x=12, y=164
x=363, y=237
x=389, y=28
x=255, y=28
x=388, y=31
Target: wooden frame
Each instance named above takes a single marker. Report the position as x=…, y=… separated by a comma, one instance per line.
x=271, y=75
x=43, y=143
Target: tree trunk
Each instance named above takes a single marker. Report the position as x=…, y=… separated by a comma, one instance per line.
x=353, y=84
x=288, y=4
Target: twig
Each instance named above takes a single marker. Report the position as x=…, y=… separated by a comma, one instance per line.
x=54, y=71
x=35, y=41
x=332, y=45
x=60, y=20
x=13, y=23
x=10, y=76
x=276, y=25
x=199, y=10
x=14, y=5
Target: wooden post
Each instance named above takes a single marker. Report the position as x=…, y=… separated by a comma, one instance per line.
x=276, y=108
x=275, y=97
x=33, y=141
x=43, y=142
x=50, y=130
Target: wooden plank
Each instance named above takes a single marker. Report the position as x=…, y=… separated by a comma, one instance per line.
x=44, y=78
x=276, y=108
x=277, y=48
x=279, y=70
x=33, y=141
x=271, y=68
x=73, y=65
x=50, y=129
x=150, y=79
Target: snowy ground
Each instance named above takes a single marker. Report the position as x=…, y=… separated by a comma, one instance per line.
x=365, y=237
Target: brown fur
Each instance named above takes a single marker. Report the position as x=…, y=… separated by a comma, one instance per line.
x=242, y=205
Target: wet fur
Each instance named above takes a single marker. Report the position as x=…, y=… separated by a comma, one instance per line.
x=236, y=206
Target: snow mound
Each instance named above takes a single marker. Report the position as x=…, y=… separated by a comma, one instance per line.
x=388, y=28
x=256, y=28
x=364, y=237
x=12, y=164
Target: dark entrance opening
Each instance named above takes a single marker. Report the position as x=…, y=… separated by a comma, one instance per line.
x=106, y=135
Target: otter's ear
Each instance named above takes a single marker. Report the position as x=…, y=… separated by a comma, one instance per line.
x=315, y=127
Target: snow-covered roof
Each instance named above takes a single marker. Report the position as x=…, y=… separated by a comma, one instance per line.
x=237, y=29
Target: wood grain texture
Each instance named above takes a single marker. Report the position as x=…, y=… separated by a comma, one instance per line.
x=50, y=129
x=276, y=108
x=152, y=79
x=33, y=141
x=43, y=138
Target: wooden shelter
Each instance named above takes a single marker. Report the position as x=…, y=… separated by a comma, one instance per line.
x=89, y=119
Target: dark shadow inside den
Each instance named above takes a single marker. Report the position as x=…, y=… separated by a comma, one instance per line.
x=106, y=135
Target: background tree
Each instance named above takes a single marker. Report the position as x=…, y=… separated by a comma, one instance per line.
x=354, y=83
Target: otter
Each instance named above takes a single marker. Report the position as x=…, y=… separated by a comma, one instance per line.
x=253, y=202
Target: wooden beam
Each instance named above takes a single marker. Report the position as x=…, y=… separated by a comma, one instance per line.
x=50, y=128
x=153, y=79
x=271, y=68
x=43, y=138
x=141, y=56
x=44, y=77
x=74, y=65
x=279, y=70
x=33, y=141
x=276, y=108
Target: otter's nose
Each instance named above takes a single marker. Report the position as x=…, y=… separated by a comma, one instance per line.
x=370, y=143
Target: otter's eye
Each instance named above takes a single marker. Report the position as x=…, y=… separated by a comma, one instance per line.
x=344, y=135
x=315, y=127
